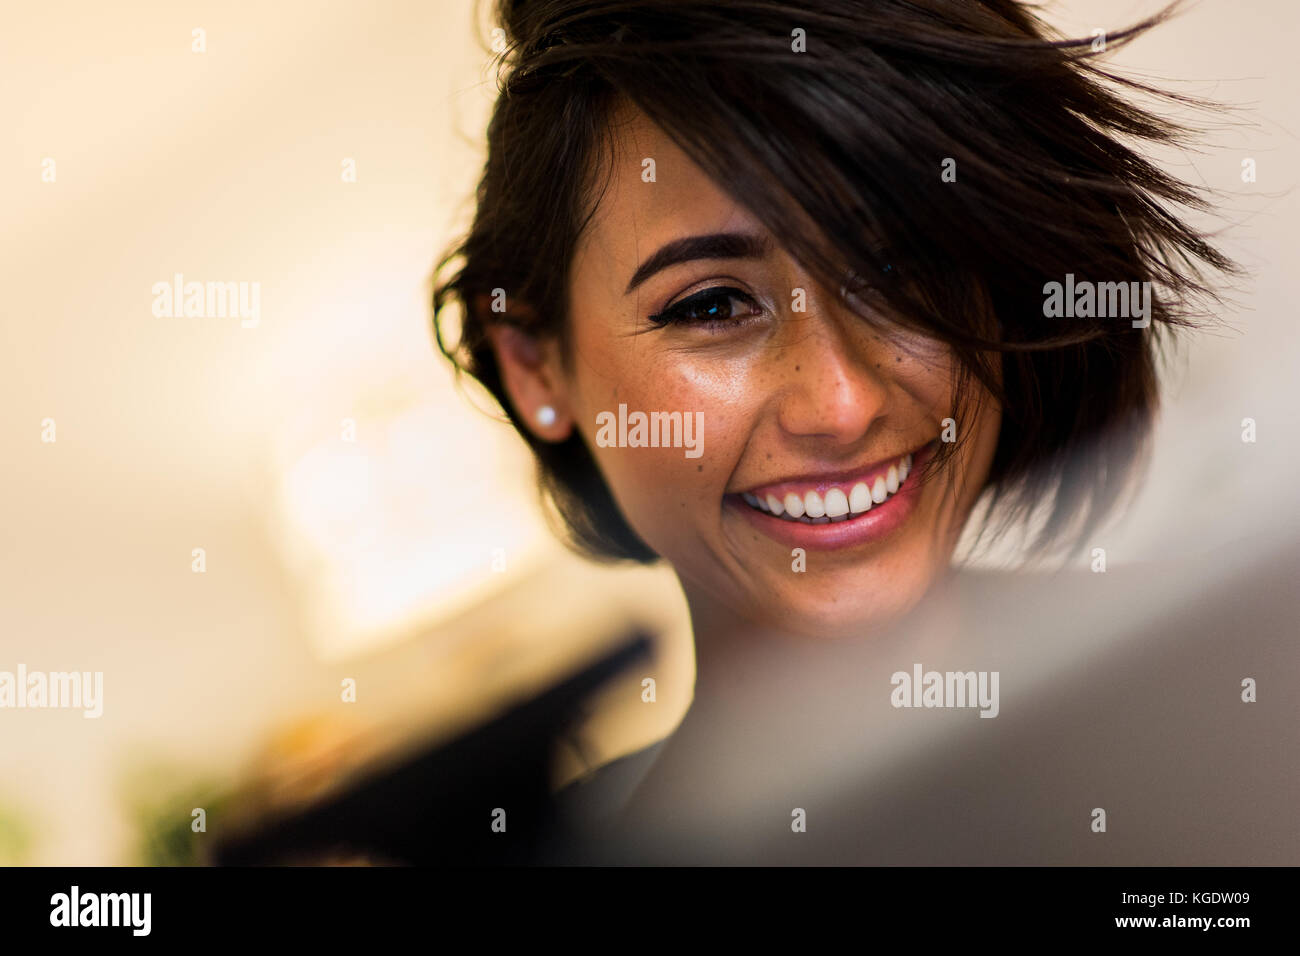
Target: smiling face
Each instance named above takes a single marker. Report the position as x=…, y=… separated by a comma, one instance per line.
x=806, y=410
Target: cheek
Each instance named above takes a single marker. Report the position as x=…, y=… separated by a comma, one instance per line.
x=989, y=425
x=657, y=487
x=668, y=498
x=924, y=371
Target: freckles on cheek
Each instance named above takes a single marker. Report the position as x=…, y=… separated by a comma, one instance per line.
x=730, y=394
x=718, y=386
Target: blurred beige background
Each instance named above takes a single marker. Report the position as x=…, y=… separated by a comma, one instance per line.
x=411, y=559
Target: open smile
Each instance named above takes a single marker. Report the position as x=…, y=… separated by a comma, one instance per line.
x=837, y=511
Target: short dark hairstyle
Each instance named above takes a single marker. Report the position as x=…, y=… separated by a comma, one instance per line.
x=852, y=134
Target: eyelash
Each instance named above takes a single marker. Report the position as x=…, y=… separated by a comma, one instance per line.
x=676, y=314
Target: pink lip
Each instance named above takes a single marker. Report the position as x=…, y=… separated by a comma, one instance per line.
x=880, y=521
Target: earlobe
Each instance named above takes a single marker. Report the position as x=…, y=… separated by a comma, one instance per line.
x=530, y=382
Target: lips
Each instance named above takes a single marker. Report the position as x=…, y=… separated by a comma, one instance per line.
x=840, y=510
x=826, y=500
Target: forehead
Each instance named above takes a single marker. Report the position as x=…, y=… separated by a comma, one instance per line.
x=654, y=193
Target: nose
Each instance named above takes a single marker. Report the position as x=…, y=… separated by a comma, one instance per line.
x=832, y=389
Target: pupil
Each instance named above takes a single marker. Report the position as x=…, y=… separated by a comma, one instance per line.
x=715, y=310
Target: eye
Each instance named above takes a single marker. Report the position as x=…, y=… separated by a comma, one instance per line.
x=709, y=307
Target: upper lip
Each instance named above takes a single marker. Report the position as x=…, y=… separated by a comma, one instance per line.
x=822, y=480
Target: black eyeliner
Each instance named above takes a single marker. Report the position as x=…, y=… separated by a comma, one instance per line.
x=668, y=315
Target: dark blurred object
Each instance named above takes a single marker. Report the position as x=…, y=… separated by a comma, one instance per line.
x=437, y=807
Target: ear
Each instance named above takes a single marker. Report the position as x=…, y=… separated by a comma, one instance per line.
x=530, y=373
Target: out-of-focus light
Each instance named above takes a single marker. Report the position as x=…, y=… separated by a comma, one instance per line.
x=411, y=518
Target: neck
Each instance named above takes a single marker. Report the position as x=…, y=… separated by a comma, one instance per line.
x=736, y=657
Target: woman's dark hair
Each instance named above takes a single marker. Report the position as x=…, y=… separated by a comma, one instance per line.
x=957, y=153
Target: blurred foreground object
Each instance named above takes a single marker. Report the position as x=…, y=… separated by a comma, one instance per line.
x=1147, y=715
x=484, y=798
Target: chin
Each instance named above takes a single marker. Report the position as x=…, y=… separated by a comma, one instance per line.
x=820, y=615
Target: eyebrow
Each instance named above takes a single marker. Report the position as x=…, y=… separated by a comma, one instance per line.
x=718, y=245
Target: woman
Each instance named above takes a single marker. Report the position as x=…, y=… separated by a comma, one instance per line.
x=778, y=293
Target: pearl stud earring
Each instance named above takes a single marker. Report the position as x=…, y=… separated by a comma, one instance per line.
x=546, y=416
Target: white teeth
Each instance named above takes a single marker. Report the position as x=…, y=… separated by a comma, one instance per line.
x=814, y=507
x=860, y=498
x=837, y=504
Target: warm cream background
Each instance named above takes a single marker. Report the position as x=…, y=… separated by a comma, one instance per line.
x=182, y=433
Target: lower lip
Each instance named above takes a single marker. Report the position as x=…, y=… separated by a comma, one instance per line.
x=881, y=521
